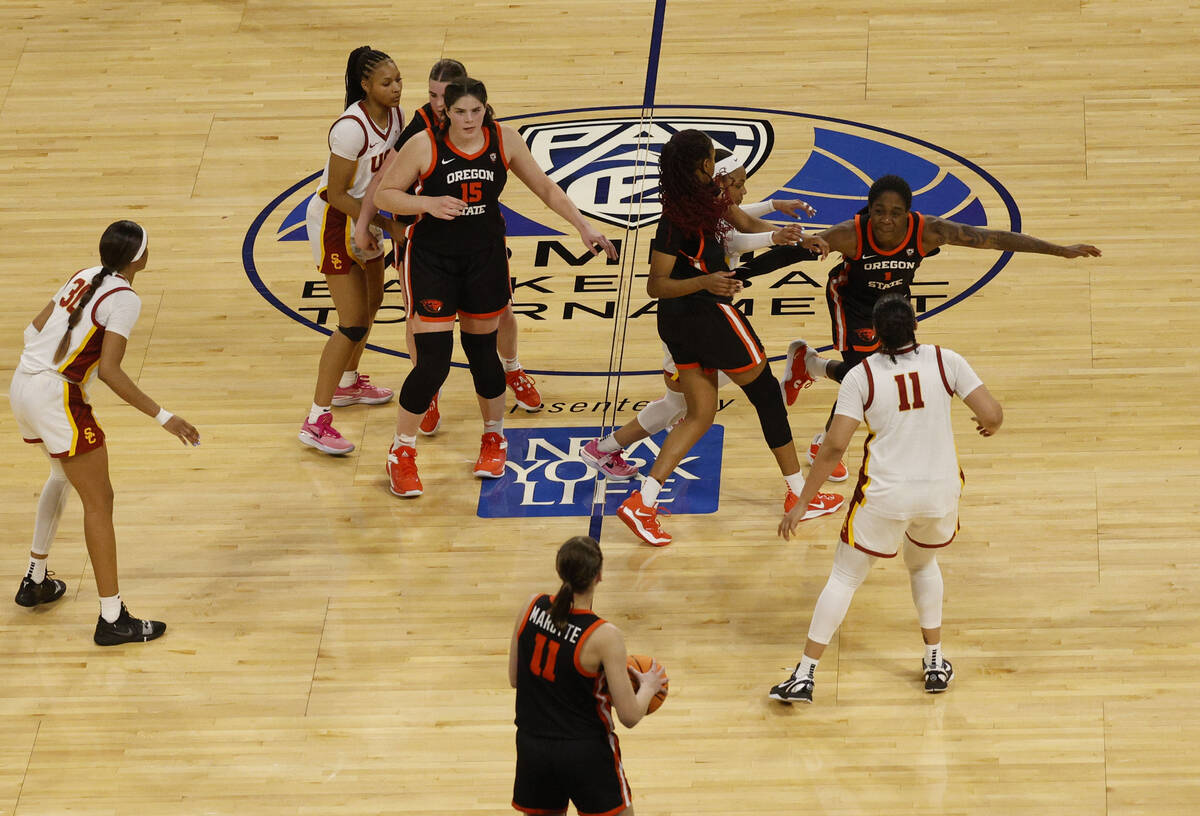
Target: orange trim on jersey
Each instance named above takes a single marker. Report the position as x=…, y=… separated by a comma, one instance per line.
x=834, y=288
x=619, y=767
x=743, y=333
x=430, y=125
x=920, y=232
x=382, y=133
x=538, y=811
x=870, y=386
x=684, y=365
x=480, y=316
x=487, y=140
x=525, y=620
x=942, y=370
x=587, y=633
x=899, y=246
x=366, y=138
x=603, y=701
x=500, y=143
x=858, y=237
x=935, y=546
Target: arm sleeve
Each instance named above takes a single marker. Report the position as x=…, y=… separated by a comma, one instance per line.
x=347, y=139
x=759, y=208
x=738, y=242
x=962, y=378
x=119, y=312
x=852, y=394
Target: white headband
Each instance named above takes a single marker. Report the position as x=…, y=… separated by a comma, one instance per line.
x=726, y=166
x=142, y=249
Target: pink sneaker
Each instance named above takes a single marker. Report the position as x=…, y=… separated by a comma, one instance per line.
x=362, y=392
x=610, y=464
x=322, y=436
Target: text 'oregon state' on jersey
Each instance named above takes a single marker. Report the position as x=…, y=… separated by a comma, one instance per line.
x=556, y=696
x=477, y=179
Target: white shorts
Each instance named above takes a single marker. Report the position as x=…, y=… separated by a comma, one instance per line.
x=331, y=238
x=53, y=412
x=881, y=537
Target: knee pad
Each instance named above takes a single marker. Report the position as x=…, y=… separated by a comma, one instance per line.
x=355, y=333
x=663, y=412
x=433, y=364
x=486, y=369
x=765, y=396
x=850, y=566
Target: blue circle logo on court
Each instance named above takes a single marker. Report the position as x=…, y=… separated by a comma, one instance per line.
x=606, y=159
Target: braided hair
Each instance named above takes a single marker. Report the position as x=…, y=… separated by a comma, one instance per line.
x=578, y=563
x=363, y=60
x=689, y=203
x=895, y=324
x=119, y=243
x=456, y=90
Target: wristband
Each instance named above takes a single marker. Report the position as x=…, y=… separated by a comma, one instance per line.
x=162, y=416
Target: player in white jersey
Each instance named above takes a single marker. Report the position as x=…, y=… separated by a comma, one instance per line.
x=359, y=142
x=81, y=333
x=908, y=486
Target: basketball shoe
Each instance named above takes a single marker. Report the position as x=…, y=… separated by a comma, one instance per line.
x=798, y=688
x=822, y=504
x=795, y=370
x=524, y=390
x=362, y=392
x=322, y=436
x=127, y=629
x=48, y=591
x=433, y=417
x=401, y=467
x=610, y=464
x=643, y=520
x=492, y=455
x=840, y=474
x=937, y=678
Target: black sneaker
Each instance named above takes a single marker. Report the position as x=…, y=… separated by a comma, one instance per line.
x=796, y=689
x=48, y=591
x=938, y=680
x=127, y=629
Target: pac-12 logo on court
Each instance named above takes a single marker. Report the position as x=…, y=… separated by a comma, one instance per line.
x=544, y=475
x=607, y=161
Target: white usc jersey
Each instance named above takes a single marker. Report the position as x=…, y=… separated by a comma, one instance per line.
x=115, y=307
x=356, y=137
x=910, y=464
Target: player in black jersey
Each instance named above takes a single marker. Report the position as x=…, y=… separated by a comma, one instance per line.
x=704, y=334
x=568, y=666
x=881, y=249
x=456, y=265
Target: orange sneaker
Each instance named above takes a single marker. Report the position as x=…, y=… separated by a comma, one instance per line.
x=433, y=417
x=822, y=505
x=492, y=456
x=840, y=474
x=643, y=520
x=401, y=469
x=795, y=371
x=524, y=390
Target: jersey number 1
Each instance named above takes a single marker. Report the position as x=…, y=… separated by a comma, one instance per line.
x=903, y=389
x=540, y=669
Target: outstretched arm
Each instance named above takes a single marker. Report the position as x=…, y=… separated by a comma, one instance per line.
x=939, y=231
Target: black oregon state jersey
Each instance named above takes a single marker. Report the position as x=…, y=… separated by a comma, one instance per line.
x=478, y=180
x=423, y=119
x=696, y=253
x=860, y=280
x=556, y=697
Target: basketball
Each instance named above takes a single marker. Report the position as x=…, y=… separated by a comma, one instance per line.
x=642, y=664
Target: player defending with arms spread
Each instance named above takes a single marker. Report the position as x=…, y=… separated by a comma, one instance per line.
x=568, y=666
x=881, y=250
x=908, y=487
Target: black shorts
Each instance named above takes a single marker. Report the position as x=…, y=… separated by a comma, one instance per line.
x=713, y=336
x=440, y=287
x=853, y=326
x=587, y=772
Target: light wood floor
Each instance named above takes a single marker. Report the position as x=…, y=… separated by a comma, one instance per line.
x=334, y=650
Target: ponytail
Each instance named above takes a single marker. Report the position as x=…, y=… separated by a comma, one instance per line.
x=690, y=204
x=120, y=245
x=895, y=324
x=578, y=563
x=361, y=63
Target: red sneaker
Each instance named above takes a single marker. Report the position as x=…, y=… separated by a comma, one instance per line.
x=433, y=417
x=492, y=456
x=822, y=505
x=795, y=372
x=401, y=468
x=643, y=520
x=840, y=474
x=524, y=390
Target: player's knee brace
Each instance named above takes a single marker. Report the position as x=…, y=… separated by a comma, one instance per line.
x=663, y=412
x=433, y=364
x=355, y=333
x=765, y=396
x=486, y=369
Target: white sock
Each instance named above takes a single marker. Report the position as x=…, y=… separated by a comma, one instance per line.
x=37, y=570
x=315, y=412
x=510, y=364
x=650, y=488
x=493, y=426
x=401, y=440
x=795, y=482
x=110, y=608
x=609, y=444
x=816, y=366
x=933, y=655
x=349, y=378
x=807, y=667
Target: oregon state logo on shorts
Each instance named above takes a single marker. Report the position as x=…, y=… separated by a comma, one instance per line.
x=607, y=162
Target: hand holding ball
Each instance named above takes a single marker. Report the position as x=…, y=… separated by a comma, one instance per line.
x=639, y=665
